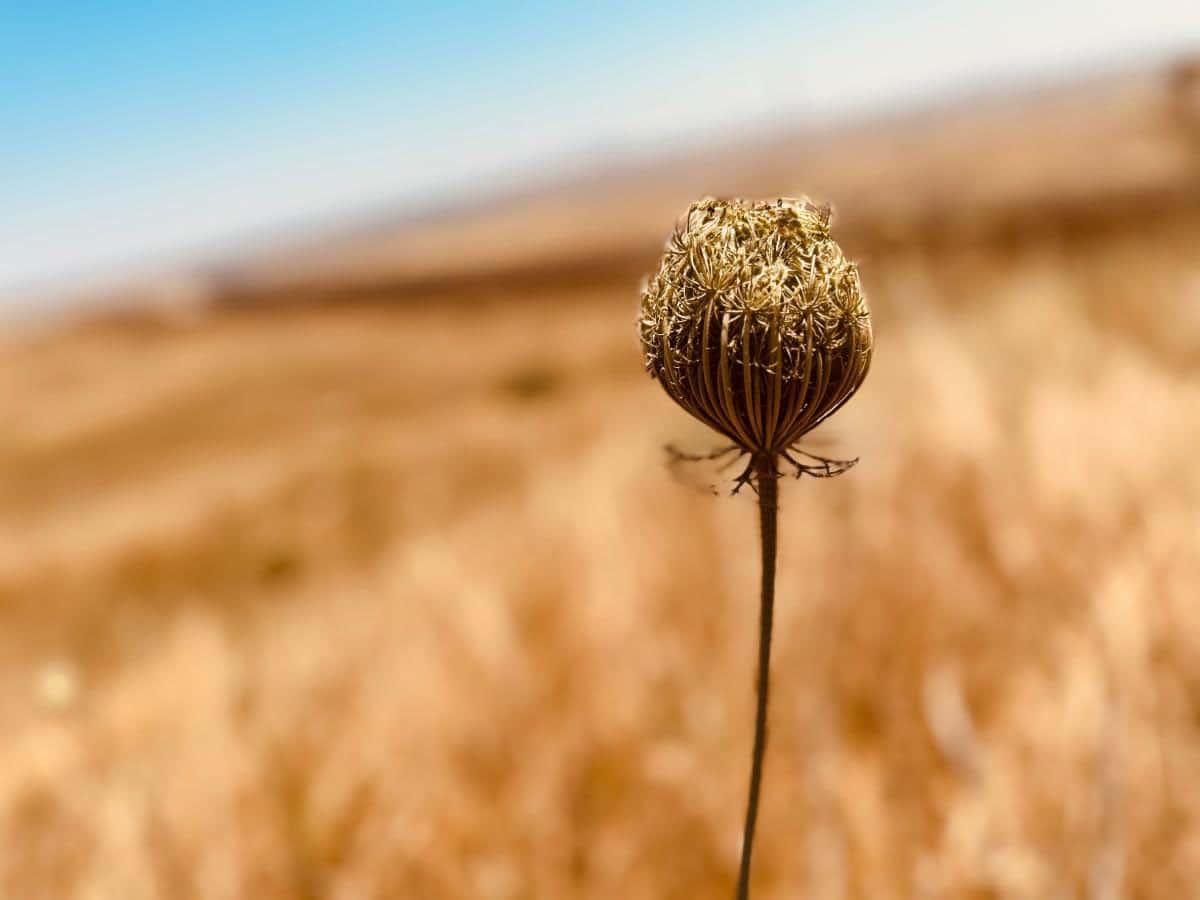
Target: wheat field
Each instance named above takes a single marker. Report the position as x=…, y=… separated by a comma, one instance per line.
x=369, y=599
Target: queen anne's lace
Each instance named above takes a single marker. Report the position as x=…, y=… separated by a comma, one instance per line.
x=755, y=322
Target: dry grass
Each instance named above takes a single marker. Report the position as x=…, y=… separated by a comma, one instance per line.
x=360, y=602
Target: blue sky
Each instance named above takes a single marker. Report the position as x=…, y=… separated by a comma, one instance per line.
x=134, y=134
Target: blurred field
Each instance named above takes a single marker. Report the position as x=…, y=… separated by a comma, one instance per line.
x=367, y=577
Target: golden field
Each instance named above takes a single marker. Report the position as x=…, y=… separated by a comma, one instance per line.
x=365, y=575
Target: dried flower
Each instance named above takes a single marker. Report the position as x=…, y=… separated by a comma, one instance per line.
x=756, y=324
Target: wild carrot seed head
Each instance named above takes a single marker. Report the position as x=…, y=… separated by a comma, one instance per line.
x=755, y=322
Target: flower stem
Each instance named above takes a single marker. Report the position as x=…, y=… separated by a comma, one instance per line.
x=768, y=509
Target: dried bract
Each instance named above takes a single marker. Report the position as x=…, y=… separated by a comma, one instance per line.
x=755, y=322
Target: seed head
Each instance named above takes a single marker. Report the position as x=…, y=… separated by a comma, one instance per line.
x=755, y=323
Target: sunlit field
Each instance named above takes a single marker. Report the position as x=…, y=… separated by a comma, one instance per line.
x=395, y=595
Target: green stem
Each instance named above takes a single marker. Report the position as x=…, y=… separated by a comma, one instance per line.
x=768, y=509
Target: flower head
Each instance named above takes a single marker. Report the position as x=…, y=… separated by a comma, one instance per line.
x=755, y=322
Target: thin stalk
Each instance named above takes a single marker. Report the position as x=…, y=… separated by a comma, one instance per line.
x=768, y=513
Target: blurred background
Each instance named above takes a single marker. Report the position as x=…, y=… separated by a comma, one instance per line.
x=339, y=554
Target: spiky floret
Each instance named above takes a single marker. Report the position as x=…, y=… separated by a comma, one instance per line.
x=755, y=322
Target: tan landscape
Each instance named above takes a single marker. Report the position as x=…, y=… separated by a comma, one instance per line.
x=363, y=573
